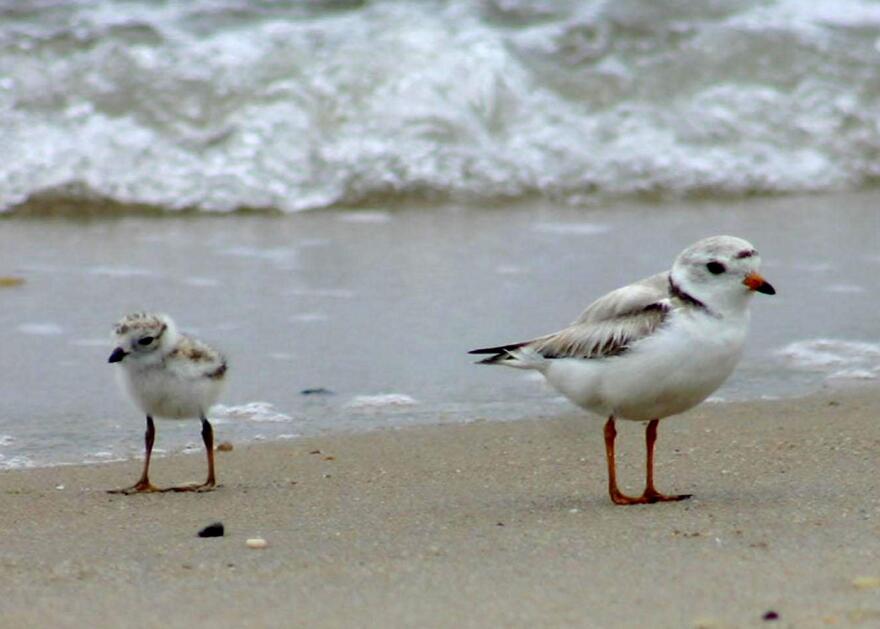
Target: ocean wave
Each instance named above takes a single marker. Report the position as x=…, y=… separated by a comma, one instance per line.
x=15, y=462
x=381, y=401
x=224, y=104
x=838, y=359
x=252, y=411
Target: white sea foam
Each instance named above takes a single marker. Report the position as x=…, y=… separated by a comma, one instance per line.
x=15, y=462
x=220, y=105
x=41, y=329
x=5, y=440
x=835, y=357
x=277, y=255
x=116, y=459
x=105, y=456
x=309, y=317
x=102, y=454
x=365, y=217
x=282, y=356
x=121, y=271
x=572, y=229
x=384, y=400
x=252, y=411
x=201, y=282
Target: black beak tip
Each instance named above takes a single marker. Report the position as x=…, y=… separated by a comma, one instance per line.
x=767, y=289
x=117, y=355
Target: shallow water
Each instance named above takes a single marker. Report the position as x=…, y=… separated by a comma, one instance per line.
x=387, y=303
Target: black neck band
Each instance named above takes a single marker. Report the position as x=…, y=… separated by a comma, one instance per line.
x=675, y=291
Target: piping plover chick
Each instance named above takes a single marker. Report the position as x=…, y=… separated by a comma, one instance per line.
x=168, y=375
x=652, y=349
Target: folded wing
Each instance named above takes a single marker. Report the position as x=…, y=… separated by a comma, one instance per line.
x=608, y=327
x=196, y=360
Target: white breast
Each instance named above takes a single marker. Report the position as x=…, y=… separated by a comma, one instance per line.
x=163, y=393
x=667, y=373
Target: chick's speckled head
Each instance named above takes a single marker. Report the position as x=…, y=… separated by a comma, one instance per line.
x=140, y=334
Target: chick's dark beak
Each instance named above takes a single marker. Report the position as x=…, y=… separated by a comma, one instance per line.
x=117, y=355
x=757, y=283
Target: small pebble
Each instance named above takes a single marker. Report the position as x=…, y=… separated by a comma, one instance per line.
x=866, y=583
x=59, y=487
x=225, y=446
x=771, y=615
x=212, y=530
x=7, y=281
x=256, y=542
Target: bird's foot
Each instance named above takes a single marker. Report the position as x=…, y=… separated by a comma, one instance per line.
x=619, y=498
x=652, y=495
x=140, y=487
x=202, y=488
x=649, y=497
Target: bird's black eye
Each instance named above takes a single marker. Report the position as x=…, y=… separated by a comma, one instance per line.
x=146, y=340
x=715, y=268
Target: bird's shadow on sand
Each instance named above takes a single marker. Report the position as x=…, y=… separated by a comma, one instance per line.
x=701, y=501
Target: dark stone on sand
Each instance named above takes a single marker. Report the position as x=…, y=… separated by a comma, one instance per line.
x=212, y=530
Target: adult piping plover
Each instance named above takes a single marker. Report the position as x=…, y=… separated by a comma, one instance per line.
x=168, y=375
x=652, y=349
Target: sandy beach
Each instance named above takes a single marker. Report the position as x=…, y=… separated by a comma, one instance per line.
x=480, y=524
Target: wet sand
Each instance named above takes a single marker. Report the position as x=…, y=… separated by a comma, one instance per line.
x=471, y=525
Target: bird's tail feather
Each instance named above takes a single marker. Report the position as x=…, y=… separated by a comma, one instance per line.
x=516, y=355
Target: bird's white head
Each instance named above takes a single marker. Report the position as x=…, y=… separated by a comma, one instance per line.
x=143, y=338
x=721, y=272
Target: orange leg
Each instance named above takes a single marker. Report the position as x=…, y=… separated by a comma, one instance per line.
x=208, y=438
x=143, y=485
x=617, y=497
x=651, y=494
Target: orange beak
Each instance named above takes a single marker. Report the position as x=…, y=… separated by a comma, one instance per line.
x=755, y=282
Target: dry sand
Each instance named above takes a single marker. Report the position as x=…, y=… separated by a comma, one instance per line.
x=484, y=524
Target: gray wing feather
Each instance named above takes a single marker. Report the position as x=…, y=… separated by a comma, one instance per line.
x=611, y=323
